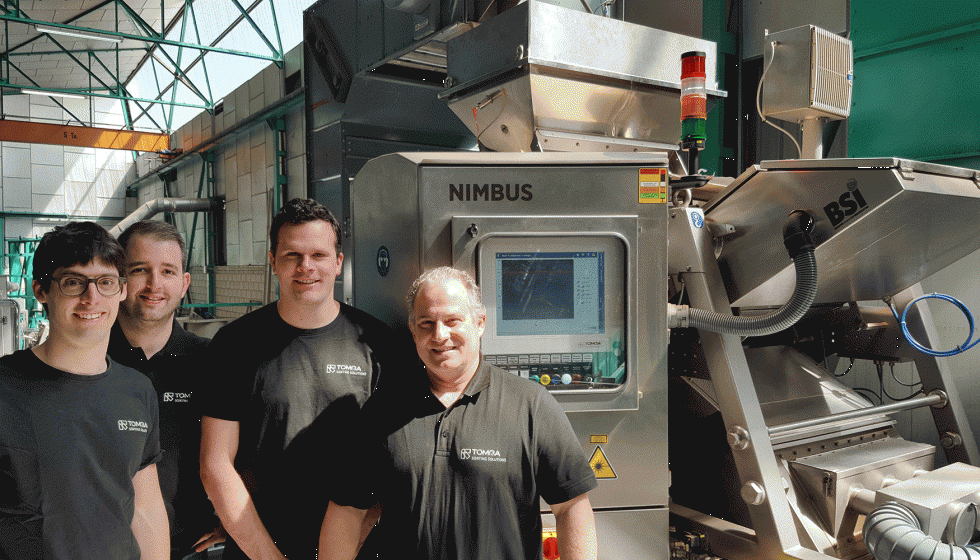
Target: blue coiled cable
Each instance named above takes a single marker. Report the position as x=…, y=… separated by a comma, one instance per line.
x=967, y=344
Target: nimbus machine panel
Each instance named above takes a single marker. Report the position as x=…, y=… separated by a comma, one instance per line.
x=555, y=309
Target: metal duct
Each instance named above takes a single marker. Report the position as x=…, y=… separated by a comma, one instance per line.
x=892, y=532
x=158, y=205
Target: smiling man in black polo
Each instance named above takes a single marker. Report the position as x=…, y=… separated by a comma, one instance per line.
x=147, y=338
x=465, y=453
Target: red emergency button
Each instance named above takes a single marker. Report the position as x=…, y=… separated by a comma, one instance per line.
x=549, y=548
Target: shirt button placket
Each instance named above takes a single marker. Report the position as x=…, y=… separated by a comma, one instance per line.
x=443, y=431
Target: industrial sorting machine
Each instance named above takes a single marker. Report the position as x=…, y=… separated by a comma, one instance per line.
x=675, y=332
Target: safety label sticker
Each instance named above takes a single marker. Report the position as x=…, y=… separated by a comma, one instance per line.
x=653, y=186
x=600, y=466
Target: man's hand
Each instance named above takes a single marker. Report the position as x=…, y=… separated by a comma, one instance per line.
x=212, y=538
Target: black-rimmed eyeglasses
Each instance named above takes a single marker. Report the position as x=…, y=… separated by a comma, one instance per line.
x=71, y=285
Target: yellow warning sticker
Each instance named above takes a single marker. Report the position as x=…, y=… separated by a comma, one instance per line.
x=600, y=466
x=598, y=438
x=653, y=186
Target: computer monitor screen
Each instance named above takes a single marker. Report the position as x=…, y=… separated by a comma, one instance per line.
x=551, y=293
x=556, y=309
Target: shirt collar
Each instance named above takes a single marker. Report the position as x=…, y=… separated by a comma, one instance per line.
x=117, y=340
x=178, y=338
x=480, y=381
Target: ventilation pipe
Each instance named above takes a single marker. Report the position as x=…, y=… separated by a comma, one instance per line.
x=158, y=205
x=892, y=532
x=796, y=237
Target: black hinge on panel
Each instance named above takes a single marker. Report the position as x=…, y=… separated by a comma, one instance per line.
x=325, y=50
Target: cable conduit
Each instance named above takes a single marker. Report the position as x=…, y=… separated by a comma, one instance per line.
x=792, y=311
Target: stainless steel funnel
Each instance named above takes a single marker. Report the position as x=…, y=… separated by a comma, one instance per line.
x=542, y=77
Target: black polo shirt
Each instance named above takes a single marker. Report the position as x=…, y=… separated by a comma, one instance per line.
x=466, y=482
x=173, y=372
x=296, y=394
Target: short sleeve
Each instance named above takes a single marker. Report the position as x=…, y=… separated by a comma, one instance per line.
x=223, y=371
x=152, y=452
x=563, y=471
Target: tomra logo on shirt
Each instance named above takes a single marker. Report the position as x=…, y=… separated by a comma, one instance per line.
x=481, y=455
x=132, y=426
x=344, y=368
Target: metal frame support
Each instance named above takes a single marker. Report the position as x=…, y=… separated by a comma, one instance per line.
x=155, y=39
x=934, y=372
x=762, y=485
x=278, y=126
x=151, y=40
x=20, y=266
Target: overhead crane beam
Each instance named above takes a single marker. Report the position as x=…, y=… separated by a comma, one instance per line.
x=82, y=136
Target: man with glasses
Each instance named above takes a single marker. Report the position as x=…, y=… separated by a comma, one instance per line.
x=79, y=436
x=147, y=338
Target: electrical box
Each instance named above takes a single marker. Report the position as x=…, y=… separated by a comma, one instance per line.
x=810, y=74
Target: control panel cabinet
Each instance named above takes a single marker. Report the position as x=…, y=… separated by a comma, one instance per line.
x=570, y=252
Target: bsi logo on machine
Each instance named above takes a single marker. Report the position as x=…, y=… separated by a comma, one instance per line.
x=133, y=426
x=847, y=205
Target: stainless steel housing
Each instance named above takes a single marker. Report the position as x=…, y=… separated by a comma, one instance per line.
x=542, y=77
x=882, y=225
x=402, y=202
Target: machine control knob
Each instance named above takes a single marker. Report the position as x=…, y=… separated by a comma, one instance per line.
x=753, y=493
x=738, y=438
x=473, y=230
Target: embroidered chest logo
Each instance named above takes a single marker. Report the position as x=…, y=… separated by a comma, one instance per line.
x=133, y=426
x=344, y=368
x=491, y=455
x=173, y=397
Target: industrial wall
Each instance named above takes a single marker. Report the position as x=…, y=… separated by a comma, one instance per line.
x=242, y=149
x=43, y=185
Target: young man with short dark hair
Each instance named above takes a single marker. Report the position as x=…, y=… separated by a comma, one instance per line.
x=292, y=375
x=147, y=338
x=79, y=435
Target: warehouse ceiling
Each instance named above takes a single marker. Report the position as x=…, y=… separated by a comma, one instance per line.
x=94, y=48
